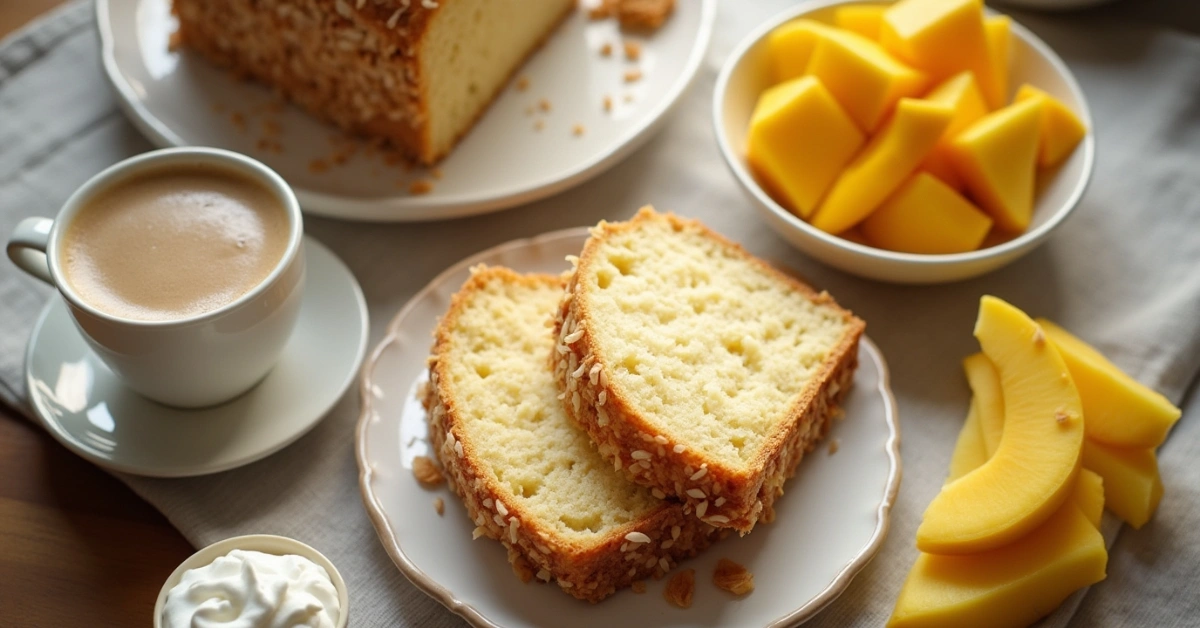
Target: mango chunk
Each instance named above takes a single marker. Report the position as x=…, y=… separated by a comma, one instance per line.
x=927, y=216
x=865, y=79
x=1034, y=468
x=961, y=93
x=985, y=384
x=998, y=29
x=889, y=157
x=1089, y=495
x=863, y=19
x=941, y=38
x=1119, y=410
x=1010, y=586
x=1132, y=485
x=997, y=157
x=969, y=450
x=799, y=140
x=791, y=46
x=1061, y=129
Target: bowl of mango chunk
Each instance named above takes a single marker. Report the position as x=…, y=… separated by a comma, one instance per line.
x=918, y=141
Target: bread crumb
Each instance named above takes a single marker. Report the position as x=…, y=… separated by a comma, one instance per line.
x=833, y=446
x=644, y=14
x=638, y=586
x=318, y=166
x=436, y=173
x=522, y=83
x=420, y=187
x=633, y=50
x=439, y=505
x=606, y=50
x=522, y=568
x=680, y=588
x=608, y=103
x=733, y=577
x=539, y=125
x=426, y=471
x=632, y=76
x=175, y=41
x=578, y=130
x=544, y=105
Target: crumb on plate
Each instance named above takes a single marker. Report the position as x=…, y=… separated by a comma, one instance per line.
x=733, y=577
x=680, y=588
x=426, y=471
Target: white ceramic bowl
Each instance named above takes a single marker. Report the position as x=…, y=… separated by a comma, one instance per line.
x=747, y=73
x=268, y=544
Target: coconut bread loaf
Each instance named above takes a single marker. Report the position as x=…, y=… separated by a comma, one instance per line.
x=699, y=370
x=528, y=476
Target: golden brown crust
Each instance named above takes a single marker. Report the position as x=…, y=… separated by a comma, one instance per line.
x=718, y=494
x=588, y=572
x=354, y=64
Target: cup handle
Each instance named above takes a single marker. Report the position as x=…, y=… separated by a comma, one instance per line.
x=27, y=247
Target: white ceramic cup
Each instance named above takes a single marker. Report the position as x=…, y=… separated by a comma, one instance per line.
x=196, y=361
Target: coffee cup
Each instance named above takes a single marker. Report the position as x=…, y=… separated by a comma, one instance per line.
x=182, y=268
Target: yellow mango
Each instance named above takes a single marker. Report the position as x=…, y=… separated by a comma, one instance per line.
x=926, y=216
x=997, y=157
x=969, y=451
x=791, y=45
x=941, y=38
x=1061, y=129
x=860, y=18
x=998, y=29
x=1009, y=586
x=1089, y=495
x=1118, y=410
x=1132, y=486
x=887, y=160
x=865, y=79
x=798, y=142
x=985, y=384
x=961, y=93
x=1034, y=469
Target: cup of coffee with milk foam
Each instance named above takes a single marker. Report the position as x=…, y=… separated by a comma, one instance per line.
x=183, y=269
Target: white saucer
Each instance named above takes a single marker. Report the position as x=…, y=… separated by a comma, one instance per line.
x=830, y=523
x=83, y=405
x=178, y=99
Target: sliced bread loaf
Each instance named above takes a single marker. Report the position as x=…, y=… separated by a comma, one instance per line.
x=698, y=369
x=528, y=476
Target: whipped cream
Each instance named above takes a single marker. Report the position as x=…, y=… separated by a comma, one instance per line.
x=247, y=589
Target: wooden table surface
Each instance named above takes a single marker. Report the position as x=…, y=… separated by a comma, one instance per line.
x=77, y=547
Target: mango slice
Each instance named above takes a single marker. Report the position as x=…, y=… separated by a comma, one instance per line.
x=1034, y=469
x=889, y=157
x=1061, y=129
x=1132, y=486
x=941, y=38
x=927, y=216
x=865, y=79
x=1010, y=586
x=998, y=29
x=1118, y=409
x=985, y=384
x=863, y=19
x=997, y=157
x=969, y=450
x=798, y=142
x=791, y=45
x=1089, y=495
x=961, y=93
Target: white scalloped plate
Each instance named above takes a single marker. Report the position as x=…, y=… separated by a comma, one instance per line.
x=829, y=525
x=177, y=99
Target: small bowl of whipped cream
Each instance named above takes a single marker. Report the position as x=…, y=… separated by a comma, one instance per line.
x=254, y=581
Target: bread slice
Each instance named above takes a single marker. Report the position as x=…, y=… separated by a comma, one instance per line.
x=527, y=475
x=415, y=73
x=698, y=369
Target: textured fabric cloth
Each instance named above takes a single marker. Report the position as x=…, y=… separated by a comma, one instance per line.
x=1124, y=272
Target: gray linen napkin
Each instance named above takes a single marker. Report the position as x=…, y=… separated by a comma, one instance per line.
x=1124, y=272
